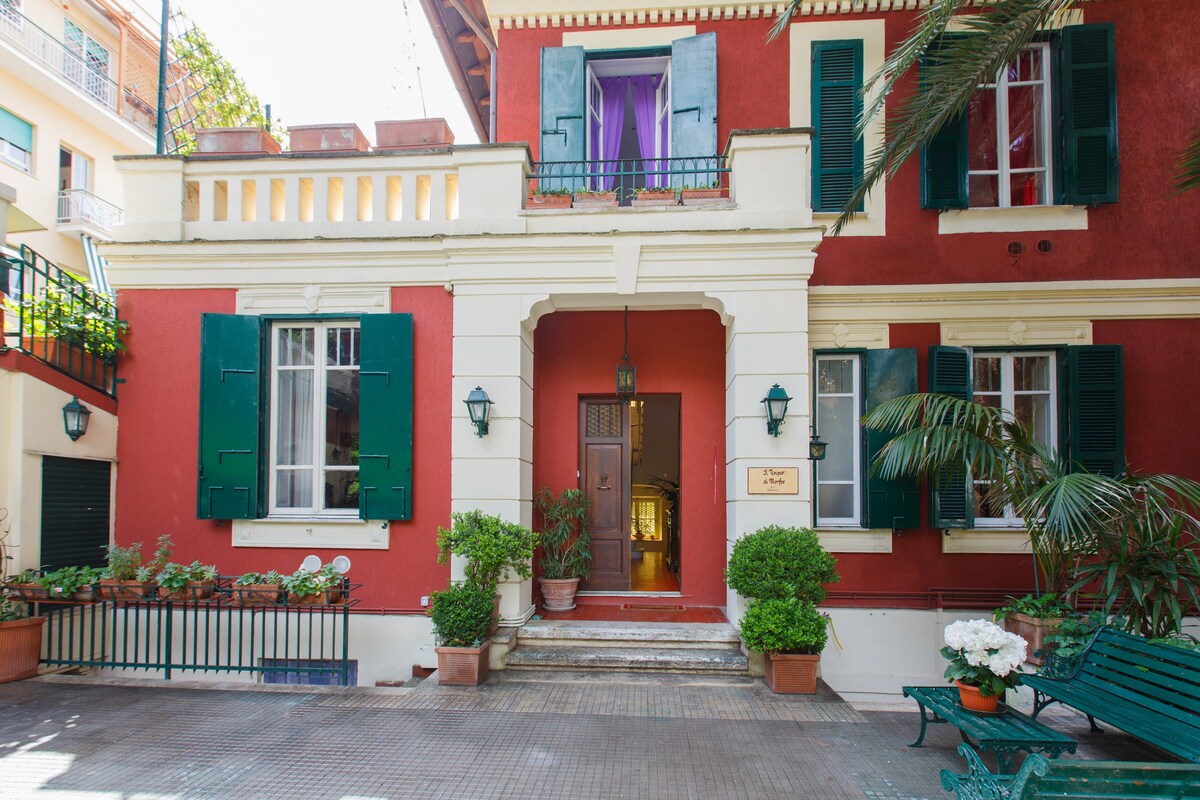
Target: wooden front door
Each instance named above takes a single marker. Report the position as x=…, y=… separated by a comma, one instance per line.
x=604, y=475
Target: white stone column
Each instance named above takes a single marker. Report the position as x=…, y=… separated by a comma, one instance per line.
x=494, y=473
x=766, y=343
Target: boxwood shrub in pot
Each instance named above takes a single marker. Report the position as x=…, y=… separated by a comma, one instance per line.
x=461, y=615
x=790, y=633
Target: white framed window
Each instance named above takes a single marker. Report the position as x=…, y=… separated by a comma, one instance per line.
x=314, y=446
x=1026, y=385
x=837, y=410
x=86, y=62
x=1009, y=142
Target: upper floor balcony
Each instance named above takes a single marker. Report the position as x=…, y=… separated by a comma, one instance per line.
x=80, y=211
x=761, y=183
x=84, y=69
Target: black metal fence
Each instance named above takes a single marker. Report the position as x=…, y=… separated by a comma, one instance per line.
x=233, y=630
x=59, y=320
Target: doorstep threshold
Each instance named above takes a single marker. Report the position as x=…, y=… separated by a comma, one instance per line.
x=629, y=594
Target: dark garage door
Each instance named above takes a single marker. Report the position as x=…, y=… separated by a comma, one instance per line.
x=75, y=494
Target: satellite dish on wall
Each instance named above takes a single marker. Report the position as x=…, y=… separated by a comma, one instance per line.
x=341, y=565
x=310, y=564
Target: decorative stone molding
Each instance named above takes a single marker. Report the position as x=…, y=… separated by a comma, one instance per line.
x=527, y=14
x=1002, y=333
x=826, y=336
x=313, y=299
x=351, y=534
x=856, y=541
x=984, y=540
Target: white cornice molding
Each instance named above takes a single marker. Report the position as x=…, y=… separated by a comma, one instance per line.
x=1068, y=301
x=608, y=13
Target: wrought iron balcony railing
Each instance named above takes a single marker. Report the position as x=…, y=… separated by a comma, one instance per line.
x=78, y=206
x=629, y=175
x=60, y=60
x=56, y=318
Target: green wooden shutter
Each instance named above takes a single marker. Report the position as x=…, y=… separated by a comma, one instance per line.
x=230, y=452
x=944, y=159
x=694, y=97
x=386, y=417
x=837, y=157
x=563, y=104
x=951, y=502
x=16, y=131
x=1096, y=408
x=890, y=504
x=1088, y=85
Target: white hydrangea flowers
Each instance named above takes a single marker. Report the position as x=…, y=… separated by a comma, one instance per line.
x=985, y=644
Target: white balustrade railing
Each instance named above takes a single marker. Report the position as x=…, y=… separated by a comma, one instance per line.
x=77, y=206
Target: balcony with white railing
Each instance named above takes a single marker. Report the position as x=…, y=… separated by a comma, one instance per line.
x=451, y=191
x=61, y=61
x=81, y=211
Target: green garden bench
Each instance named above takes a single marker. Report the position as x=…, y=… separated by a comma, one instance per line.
x=1005, y=733
x=1151, y=691
x=1039, y=779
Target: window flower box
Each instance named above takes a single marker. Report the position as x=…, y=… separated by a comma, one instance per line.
x=595, y=200
x=548, y=201
x=704, y=197
x=655, y=198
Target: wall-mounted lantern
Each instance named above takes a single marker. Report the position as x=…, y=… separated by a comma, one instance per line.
x=626, y=371
x=776, y=402
x=479, y=407
x=75, y=418
x=816, y=447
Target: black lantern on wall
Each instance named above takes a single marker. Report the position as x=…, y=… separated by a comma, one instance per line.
x=75, y=418
x=816, y=447
x=776, y=402
x=626, y=371
x=479, y=406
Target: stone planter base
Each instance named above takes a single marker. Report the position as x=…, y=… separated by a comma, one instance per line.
x=462, y=666
x=20, y=647
x=791, y=674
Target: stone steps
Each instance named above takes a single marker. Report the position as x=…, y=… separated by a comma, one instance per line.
x=660, y=647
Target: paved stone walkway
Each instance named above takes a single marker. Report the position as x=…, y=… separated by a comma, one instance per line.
x=523, y=735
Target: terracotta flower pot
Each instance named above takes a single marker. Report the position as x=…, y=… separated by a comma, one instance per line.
x=791, y=673
x=227, y=141
x=970, y=698
x=1033, y=630
x=462, y=666
x=256, y=593
x=550, y=201
x=126, y=590
x=703, y=197
x=653, y=198
x=193, y=591
x=558, y=594
x=595, y=200
x=28, y=591
x=408, y=134
x=326, y=598
x=20, y=648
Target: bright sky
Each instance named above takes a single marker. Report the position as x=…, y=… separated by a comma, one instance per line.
x=348, y=61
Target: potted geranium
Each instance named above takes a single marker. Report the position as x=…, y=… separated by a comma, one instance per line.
x=491, y=546
x=322, y=587
x=193, y=581
x=983, y=662
x=790, y=634
x=258, y=587
x=566, y=546
x=1034, y=618
x=461, y=615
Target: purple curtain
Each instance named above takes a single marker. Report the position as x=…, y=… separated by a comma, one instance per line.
x=643, y=87
x=612, y=112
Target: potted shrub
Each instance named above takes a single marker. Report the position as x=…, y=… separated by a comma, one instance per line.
x=323, y=587
x=258, y=587
x=194, y=581
x=1033, y=619
x=125, y=577
x=781, y=562
x=595, y=198
x=652, y=196
x=983, y=662
x=566, y=546
x=73, y=584
x=27, y=585
x=550, y=198
x=461, y=615
x=790, y=633
x=20, y=635
x=491, y=546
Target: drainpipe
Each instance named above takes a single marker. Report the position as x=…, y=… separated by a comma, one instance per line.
x=485, y=36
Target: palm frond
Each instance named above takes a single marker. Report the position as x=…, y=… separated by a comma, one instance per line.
x=1189, y=165
x=995, y=38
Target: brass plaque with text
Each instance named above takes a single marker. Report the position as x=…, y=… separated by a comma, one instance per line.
x=774, y=480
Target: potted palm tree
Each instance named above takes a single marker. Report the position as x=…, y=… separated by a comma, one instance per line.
x=566, y=546
x=461, y=615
